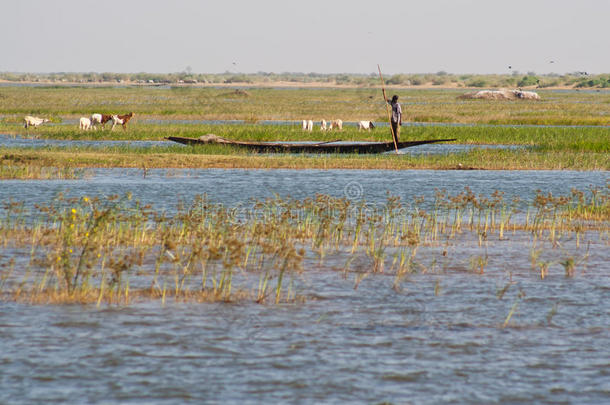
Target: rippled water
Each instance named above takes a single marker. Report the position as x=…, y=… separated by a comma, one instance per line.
x=164, y=188
x=368, y=345
x=437, y=339
x=10, y=141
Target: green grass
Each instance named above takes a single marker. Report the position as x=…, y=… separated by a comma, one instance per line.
x=578, y=148
x=594, y=139
x=349, y=104
x=584, y=148
x=222, y=157
x=21, y=171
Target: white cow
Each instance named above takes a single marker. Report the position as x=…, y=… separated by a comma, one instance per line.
x=34, y=121
x=336, y=124
x=95, y=119
x=116, y=120
x=84, y=123
x=323, y=125
x=365, y=125
x=307, y=125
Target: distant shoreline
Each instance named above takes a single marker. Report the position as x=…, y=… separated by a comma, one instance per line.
x=277, y=84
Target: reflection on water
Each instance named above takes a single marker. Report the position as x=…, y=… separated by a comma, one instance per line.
x=437, y=339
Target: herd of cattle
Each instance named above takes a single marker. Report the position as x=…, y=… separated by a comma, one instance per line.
x=96, y=119
x=335, y=124
x=101, y=119
x=86, y=123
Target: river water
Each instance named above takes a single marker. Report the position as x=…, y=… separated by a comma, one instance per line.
x=164, y=188
x=439, y=338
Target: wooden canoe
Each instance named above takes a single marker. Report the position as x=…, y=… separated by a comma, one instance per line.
x=312, y=147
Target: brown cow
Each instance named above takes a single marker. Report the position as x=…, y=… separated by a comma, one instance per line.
x=100, y=119
x=122, y=119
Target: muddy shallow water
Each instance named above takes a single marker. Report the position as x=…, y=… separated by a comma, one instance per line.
x=437, y=338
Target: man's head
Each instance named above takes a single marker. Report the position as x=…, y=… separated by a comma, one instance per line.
x=394, y=98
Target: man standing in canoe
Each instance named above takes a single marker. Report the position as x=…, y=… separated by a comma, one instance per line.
x=396, y=120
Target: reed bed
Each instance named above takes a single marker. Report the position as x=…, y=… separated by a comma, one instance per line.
x=551, y=138
x=576, y=148
x=255, y=104
x=556, y=148
x=211, y=157
x=31, y=172
x=117, y=251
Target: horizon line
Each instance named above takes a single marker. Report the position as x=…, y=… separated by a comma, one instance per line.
x=438, y=73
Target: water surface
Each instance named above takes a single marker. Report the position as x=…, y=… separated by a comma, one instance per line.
x=164, y=188
x=367, y=344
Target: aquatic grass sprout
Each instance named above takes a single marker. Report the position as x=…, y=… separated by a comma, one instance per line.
x=26, y=171
x=117, y=250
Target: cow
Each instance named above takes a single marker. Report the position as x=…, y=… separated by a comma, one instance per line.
x=307, y=125
x=323, y=125
x=121, y=120
x=100, y=119
x=365, y=125
x=84, y=124
x=336, y=124
x=34, y=121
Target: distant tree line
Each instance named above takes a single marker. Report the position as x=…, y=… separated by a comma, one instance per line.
x=440, y=79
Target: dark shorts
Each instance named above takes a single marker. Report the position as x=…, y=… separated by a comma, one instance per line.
x=396, y=129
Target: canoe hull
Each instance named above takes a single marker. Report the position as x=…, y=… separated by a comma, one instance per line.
x=278, y=147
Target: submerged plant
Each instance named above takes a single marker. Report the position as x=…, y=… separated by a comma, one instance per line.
x=117, y=250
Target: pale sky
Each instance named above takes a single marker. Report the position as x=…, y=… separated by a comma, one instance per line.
x=322, y=36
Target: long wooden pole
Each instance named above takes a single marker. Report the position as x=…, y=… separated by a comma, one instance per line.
x=387, y=107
